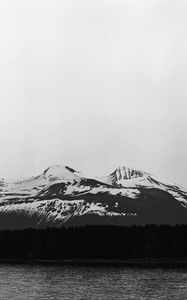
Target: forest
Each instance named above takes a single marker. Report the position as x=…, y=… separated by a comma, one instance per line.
x=95, y=242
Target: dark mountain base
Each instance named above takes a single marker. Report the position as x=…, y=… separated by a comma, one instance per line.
x=156, y=214
x=15, y=221
x=91, y=243
x=156, y=217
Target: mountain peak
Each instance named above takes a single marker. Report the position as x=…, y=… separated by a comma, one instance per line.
x=124, y=176
x=60, y=172
x=126, y=172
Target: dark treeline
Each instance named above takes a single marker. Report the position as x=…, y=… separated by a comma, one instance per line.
x=95, y=242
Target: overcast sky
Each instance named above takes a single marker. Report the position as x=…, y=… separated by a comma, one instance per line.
x=93, y=84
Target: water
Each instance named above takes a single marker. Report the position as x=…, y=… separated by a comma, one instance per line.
x=83, y=282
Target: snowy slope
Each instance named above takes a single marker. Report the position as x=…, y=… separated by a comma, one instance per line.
x=61, y=195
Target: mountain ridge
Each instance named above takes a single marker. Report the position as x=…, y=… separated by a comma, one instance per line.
x=61, y=195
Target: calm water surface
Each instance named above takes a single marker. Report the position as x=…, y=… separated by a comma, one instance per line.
x=84, y=282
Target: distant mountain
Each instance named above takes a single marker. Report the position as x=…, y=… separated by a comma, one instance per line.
x=61, y=196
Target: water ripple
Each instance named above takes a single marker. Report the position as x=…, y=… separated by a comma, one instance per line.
x=38, y=282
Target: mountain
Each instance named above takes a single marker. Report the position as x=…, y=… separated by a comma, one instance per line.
x=62, y=196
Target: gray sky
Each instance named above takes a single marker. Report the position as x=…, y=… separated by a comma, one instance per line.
x=93, y=84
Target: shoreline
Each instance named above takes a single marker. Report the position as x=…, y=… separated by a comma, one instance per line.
x=167, y=263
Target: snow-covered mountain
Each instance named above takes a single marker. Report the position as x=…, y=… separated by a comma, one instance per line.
x=62, y=196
